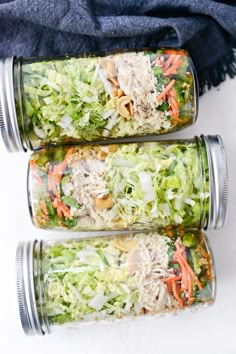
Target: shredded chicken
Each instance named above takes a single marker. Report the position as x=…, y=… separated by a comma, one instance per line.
x=88, y=183
x=148, y=262
x=137, y=80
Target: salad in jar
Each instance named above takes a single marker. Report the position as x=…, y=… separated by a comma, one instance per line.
x=75, y=99
x=116, y=187
x=109, y=278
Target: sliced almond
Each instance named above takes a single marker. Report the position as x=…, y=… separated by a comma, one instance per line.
x=121, y=106
x=124, y=244
x=103, y=203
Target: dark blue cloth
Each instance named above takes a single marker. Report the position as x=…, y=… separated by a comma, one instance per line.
x=42, y=27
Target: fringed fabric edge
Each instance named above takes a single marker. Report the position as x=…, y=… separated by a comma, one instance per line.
x=217, y=73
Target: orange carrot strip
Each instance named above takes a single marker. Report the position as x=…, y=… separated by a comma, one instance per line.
x=181, y=52
x=179, y=120
x=61, y=167
x=39, y=220
x=174, y=61
x=65, y=210
x=44, y=216
x=176, y=295
x=171, y=93
x=55, y=203
x=62, y=208
x=190, y=286
x=170, y=61
x=43, y=207
x=184, y=282
x=173, y=69
x=167, y=88
x=34, y=172
x=59, y=213
x=174, y=107
x=189, y=269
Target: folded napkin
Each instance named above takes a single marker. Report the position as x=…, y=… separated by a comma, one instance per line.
x=206, y=28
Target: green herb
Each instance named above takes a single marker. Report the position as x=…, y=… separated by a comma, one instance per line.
x=70, y=201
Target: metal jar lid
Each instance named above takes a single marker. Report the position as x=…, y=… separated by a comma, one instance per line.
x=8, y=119
x=25, y=288
x=218, y=179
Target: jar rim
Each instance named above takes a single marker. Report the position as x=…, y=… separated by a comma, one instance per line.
x=9, y=129
x=218, y=180
x=29, y=317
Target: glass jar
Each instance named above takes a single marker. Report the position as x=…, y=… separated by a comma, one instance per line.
x=65, y=100
x=70, y=283
x=129, y=186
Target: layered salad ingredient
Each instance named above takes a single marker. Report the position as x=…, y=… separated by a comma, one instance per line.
x=119, y=95
x=126, y=186
x=115, y=277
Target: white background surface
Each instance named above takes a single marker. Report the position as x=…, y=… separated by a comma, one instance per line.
x=209, y=331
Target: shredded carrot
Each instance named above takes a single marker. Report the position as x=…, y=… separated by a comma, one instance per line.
x=184, y=283
x=170, y=51
x=39, y=220
x=58, y=172
x=170, y=60
x=43, y=207
x=62, y=209
x=173, y=69
x=62, y=166
x=55, y=203
x=174, y=107
x=181, y=259
x=44, y=216
x=65, y=210
x=179, y=120
x=176, y=295
x=59, y=213
x=167, y=88
x=168, y=281
x=34, y=172
x=172, y=93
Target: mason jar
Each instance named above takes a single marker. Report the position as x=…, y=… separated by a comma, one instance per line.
x=68, y=283
x=129, y=186
x=63, y=100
